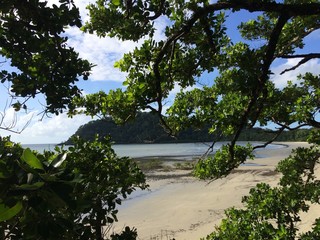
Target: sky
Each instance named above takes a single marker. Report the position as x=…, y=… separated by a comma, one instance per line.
x=104, y=52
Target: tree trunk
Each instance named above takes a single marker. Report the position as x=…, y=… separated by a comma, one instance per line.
x=99, y=218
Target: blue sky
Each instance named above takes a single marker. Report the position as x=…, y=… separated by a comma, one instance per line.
x=104, y=52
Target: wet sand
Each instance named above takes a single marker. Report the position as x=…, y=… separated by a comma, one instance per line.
x=182, y=207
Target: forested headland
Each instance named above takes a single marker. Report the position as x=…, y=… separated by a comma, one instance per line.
x=146, y=128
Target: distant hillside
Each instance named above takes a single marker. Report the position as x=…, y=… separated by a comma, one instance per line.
x=146, y=129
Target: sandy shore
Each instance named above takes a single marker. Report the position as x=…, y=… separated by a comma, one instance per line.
x=183, y=207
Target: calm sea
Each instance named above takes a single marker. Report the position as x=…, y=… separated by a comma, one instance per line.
x=172, y=150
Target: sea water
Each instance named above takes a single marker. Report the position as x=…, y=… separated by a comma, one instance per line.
x=40, y=147
x=179, y=151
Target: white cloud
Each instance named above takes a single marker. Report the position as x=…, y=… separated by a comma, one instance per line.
x=177, y=88
x=104, y=52
x=50, y=130
x=160, y=25
x=280, y=81
x=100, y=51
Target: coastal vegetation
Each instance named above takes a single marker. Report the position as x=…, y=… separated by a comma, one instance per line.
x=66, y=194
x=73, y=194
x=146, y=128
x=241, y=93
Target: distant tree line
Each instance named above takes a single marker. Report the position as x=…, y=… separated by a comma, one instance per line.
x=146, y=128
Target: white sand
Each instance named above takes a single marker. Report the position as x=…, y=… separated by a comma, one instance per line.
x=187, y=208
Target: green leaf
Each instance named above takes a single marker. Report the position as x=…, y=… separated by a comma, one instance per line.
x=47, y=177
x=142, y=85
x=8, y=213
x=31, y=159
x=4, y=173
x=58, y=160
x=34, y=186
x=116, y=2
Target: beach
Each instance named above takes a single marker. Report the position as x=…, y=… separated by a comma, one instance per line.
x=182, y=207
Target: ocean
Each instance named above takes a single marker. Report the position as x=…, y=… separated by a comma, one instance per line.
x=179, y=151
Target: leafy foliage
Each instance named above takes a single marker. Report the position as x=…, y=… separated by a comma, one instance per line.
x=107, y=180
x=274, y=212
x=31, y=38
x=65, y=195
x=223, y=162
x=196, y=42
x=35, y=195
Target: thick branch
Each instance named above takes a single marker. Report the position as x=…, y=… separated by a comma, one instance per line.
x=305, y=58
x=298, y=38
x=286, y=11
x=313, y=123
x=252, y=6
x=269, y=56
x=271, y=140
x=285, y=126
x=308, y=55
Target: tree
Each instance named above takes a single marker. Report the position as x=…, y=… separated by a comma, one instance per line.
x=66, y=194
x=31, y=41
x=195, y=42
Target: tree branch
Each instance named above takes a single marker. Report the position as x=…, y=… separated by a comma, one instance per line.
x=159, y=12
x=313, y=123
x=286, y=11
x=306, y=58
x=271, y=140
x=268, y=58
x=210, y=147
x=297, y=38
x=290, y=128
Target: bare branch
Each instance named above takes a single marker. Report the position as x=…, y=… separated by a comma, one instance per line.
x=210, y=147
x=285, y=126
x=306, y=58
x=12, y=125
x=286, y=11
x=297, y=39
x=271, y=140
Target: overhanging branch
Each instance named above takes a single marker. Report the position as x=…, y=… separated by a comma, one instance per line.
x=305, y=58
x=271, y=140
x=268, y=58
x=285, y=11
x=288, y=10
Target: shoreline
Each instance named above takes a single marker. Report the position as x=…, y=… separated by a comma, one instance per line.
x=182, y=207
x=183, y=158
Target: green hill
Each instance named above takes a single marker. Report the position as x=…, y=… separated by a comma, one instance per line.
x=147, y=129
